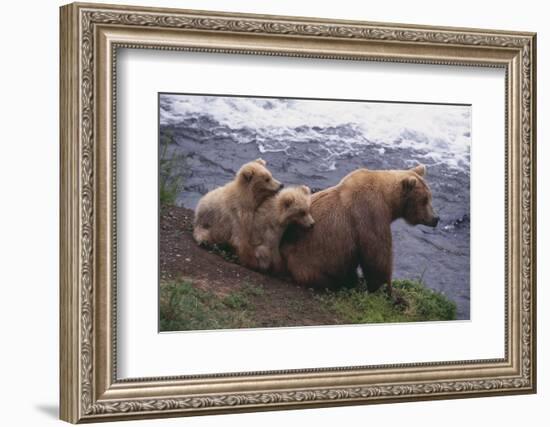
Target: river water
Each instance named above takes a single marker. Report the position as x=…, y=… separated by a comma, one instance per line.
x=317, y=142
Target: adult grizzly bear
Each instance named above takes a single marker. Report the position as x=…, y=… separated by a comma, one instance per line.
x=352, y=228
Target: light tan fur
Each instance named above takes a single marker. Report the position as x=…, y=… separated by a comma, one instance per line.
x=225, y=213
x=290, y=206
x=352, y=228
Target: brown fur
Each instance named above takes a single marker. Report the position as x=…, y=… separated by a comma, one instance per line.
x=260, y=251
x=223, y=214
x=352, y=228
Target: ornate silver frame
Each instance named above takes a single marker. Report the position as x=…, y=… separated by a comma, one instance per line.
x=90, y=36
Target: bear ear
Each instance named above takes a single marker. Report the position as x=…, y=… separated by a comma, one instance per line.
x=306, y=190
x=286, y=201
x=420, y=170
x=261, y=161
x=247, y=174
x=409, y=183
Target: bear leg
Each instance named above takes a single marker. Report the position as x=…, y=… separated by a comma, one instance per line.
x=377, y=271
x=376, y=279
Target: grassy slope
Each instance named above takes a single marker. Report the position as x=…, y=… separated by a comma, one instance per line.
x=184, y=306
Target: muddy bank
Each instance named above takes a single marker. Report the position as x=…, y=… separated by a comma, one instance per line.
x=206, y=289
x=182, y=259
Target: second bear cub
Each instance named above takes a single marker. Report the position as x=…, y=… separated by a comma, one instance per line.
x=289, y=206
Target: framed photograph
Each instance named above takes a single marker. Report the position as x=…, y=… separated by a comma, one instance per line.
x=267, y=212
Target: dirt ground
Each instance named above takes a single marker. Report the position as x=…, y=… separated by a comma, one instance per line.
x=280, y=303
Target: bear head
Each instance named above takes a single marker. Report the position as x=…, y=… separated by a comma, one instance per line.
x=294, y=206
x=417, y=198
x=258, y=180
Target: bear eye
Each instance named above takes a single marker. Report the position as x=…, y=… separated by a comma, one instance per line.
x=267, y=179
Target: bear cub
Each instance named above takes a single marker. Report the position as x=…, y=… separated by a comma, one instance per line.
x=224, y=214
x=260, y=251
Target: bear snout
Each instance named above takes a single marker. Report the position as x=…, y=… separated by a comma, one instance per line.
x=275, y=186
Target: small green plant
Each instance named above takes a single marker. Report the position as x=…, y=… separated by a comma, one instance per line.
x=185, y=307
x=425, y=303
x=224, y=251
x=252, y=290
x=171, y=167
x=417, y=303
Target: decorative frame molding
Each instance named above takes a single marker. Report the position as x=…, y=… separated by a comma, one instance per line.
x=90, y=36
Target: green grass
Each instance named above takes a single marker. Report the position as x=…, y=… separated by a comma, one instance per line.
x=224, y=251
x=171, y=167
x=186, y=307
x=417, y=303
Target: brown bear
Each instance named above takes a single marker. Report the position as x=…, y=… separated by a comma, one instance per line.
x=225, y=212
x=260, y=250
x=352, y=228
